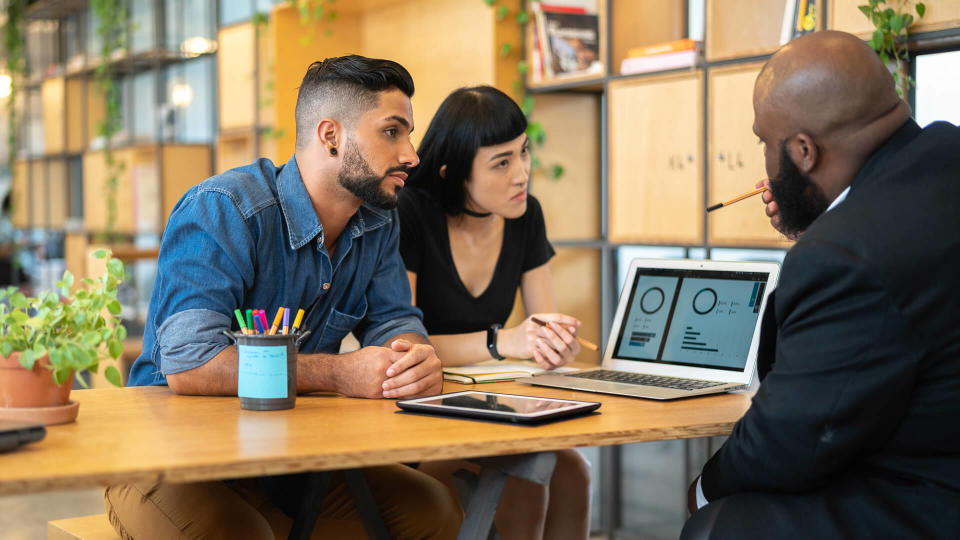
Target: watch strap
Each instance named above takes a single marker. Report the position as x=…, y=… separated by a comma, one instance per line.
x=492, y=341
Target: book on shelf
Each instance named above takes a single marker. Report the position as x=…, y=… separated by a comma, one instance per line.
x=567, y=40
x=662, y=56
x=494, y=371
x=799, y=17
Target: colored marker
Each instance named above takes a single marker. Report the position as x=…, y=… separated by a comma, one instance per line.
x=256, y=323
x=243, y=327
x=276, y=321
x=250, y=327
x=286, y=320
x=297, y=321
x=263, y=321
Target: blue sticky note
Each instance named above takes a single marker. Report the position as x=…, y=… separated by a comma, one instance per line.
x=262, y=372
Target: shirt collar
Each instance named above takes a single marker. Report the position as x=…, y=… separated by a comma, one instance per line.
x=838, y=200
x=302, y=221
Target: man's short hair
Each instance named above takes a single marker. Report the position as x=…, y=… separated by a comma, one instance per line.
x=343, y=88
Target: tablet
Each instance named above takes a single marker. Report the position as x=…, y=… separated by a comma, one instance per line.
x=503, y=407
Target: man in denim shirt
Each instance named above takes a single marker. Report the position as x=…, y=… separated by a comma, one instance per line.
x=320, y=233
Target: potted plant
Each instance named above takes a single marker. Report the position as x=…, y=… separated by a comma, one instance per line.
x=47, y=341
x=890, y=34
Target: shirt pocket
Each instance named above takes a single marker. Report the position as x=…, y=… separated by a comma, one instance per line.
x=339, y=324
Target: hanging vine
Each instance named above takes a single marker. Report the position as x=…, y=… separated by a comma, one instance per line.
x=112, y=19
x=535, y=130
x=13, y=45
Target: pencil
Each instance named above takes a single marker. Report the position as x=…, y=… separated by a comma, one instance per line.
x=735, y=199
x=276, y=321
x=580, y=340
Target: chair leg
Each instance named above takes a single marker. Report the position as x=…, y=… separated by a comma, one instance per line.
x=318, y=484
x=366, y=505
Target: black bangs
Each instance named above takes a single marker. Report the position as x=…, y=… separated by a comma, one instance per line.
x=468, y=119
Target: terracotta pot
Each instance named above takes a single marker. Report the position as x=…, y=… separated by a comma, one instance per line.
x=34, y=388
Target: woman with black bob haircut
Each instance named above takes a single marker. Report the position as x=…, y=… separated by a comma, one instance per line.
x=470, y=236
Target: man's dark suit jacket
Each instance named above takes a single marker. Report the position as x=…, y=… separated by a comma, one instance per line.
x=855, y=431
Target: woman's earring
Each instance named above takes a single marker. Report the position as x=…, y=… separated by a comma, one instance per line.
x=333, y=151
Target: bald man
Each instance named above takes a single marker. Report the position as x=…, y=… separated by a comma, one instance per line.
x=855, y=431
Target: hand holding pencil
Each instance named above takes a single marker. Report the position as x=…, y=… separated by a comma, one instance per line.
x=550, y=339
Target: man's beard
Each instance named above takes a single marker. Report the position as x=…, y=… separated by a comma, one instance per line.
x=358, y=178
x=799, y=200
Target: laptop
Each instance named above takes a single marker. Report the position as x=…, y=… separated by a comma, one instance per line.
x=682, y=328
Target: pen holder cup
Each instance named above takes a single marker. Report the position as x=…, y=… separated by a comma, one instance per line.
x=267, y=370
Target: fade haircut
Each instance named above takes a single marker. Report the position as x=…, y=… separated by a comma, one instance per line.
x=343, y=88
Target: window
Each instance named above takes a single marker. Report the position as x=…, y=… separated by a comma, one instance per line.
x=189, y=101
x=144, y=106
x=190, y=27
x=142, y=26
x=938, y=87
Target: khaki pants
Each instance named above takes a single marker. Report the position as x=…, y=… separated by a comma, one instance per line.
x=413, y=505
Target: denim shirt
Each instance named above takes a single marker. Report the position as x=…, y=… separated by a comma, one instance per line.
x=250, y=239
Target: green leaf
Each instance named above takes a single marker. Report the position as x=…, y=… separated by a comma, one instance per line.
x=121, y=332
x=100, y=253
x=61, y=375
x=876, y=41
x=866, y=10
x=527, y=105
x=27, y=359
x=557, y=171
x=921, y=9
x=114, y=308
x=502, y=12
x=490, y=2
x=523, y=17
x=113, y=375
x=116, y=348
x=896, y=24
x=115, y=268
x=505, y=49
x=523, y=67
x=5, y=349
x=907, y=21
x=332, y=15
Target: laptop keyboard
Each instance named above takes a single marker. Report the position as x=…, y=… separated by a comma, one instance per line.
x=640, y=379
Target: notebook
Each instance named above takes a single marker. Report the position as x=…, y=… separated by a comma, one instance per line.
x=493, y=371
x=682, y=328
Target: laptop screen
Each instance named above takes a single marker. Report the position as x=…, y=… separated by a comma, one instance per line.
x=697, y=318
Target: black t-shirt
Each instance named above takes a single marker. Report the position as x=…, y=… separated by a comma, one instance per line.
x=448, y=307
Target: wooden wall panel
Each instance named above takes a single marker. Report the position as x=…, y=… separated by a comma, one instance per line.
x=75, y=255
x=53, y=93
x=39, y=193
x=458, y=35
x=184, y=166
x=576, y=282
x=293, y=58
x=20, y=195
x=655, y=160
x=143, y=179
x=637, y=23
x=571, y=203
x=76, y=115
x=96, y=108
x=58, y=184
x=235, y=150
x=235, y=76
x=940, y=14
x=742, y=28
x=94, y=190
x=736, y=161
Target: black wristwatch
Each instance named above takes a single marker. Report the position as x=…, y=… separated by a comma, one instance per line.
x=492, y=341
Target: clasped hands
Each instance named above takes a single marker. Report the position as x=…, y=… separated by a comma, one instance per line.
x=402, y=370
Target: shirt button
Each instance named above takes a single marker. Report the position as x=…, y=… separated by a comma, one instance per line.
x=326, y=286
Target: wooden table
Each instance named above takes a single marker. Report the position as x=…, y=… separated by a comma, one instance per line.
x=141, y=434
